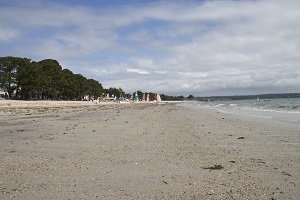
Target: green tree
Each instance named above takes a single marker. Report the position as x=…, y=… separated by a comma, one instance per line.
x=28, y=81
x=9, y=67
x=46, y=80
x=49, y=78
x=80, y=86
x=190, y=97
x=67, y=85
x=171, y=98
x=94, y=88
x=115, y=91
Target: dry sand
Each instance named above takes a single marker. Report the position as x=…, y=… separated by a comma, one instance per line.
x=141, y=151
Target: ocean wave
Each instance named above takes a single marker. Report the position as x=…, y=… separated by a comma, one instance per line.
x=218, y=105
x=250, y=109
x=247, y=106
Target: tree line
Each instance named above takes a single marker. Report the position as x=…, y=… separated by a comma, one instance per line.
x=45, y=79
x=164, y=97
x=24, y=78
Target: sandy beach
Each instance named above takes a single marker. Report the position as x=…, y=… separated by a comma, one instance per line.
x=70, y=150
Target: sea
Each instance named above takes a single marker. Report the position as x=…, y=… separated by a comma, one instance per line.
x=281, y=109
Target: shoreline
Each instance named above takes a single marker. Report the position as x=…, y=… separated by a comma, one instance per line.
x=145, y=151
x=47, y=103
x=4, y=103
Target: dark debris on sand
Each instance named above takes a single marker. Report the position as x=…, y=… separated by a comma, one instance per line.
x=215, y=167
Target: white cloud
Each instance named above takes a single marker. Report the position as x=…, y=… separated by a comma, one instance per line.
x=68, y=45
x=8, y=34
x=138, y=71
x=189, y=47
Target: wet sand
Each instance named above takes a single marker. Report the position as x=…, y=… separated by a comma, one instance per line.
x=143, y=151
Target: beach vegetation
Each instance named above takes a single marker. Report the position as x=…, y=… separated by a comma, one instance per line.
x=116, y=92
x=190, y=97
x=9, y=71
x=171, y=98
x=23, y=78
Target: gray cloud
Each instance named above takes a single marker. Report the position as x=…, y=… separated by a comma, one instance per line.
x=214, y=47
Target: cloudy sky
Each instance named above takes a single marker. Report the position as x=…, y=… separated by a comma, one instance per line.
x=173, y=47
